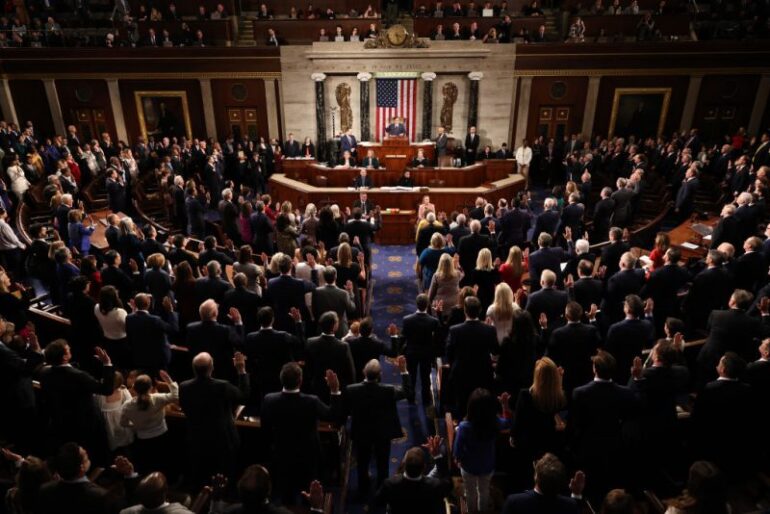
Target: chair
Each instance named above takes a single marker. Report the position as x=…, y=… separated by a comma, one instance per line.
x=321, y=181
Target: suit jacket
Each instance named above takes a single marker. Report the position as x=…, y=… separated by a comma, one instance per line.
x=361, y=182
x=710, y=291
x=396, y=129
x=147, y=338
x=366, y=207
x=547, y=222
x=532, y=502
x=730, y=330
x=220, y=341
x=370, y=162
x=750, y=271
x=327, y=352
x=548, y=258
x=211, y=287
x=422, y=496
x=469, y=248
x=472, y=144
x=348, y=143
x=758, y=377
x=292, y=148
x=285, y=292
x=603, y=211
x=660, y=388
x=208, y=404
x=267, y=350
x=685, y=197
x=611, y=257
x=372, y=409
x=247, y=302
x=361, y=228
x=724, y=407
x=365, y=348
x=468, y=354
x=16, y=378
x=572, y=347
x=620, y=285
x=550, y=301
x=441, y=142
x=262, y=231
x=625, y=340
x=332, y=298
x=587, y=291
x=420, y=332
x=663, y=286
x=514, y=226
x=572, y=217
x=82, y=497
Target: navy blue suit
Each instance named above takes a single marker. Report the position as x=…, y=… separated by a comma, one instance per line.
x=285, y=292
x=147, y=339
x=625, y=340
x=549, y=258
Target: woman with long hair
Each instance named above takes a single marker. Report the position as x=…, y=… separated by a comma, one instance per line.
x=429, y=258
x=246, y=265
x=456, y=313
x=500, y=312
x=184, y=293
x=474, y=445
x=33, y=473
x=445, y=283
x=146, y=414
x=118, y=436
x=90, y=270
x=244, y=222
x=662, y=243
x=518, y=352
x=309, y=228
x=156, y=278
x=129, y=244
x=111, y=316
x=485, y=277
x=286, y=232
x=706, y=492
x=537, y=427
x=348, y=269
x=512, y=270
x=328, y=231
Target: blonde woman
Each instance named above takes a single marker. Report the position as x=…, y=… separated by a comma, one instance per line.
x=512, y=270
x=485, y=277
x=429, y=258
x=445, y=284
x=500, y=313
x=538, y=427
x=272, y=270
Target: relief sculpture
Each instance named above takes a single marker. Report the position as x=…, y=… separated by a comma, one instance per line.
x=342, y=92
x=447, y=108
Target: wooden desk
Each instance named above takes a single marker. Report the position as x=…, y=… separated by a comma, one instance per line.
x=308, y=171
x=444, y=198
x=684, y=234
x=396, y=153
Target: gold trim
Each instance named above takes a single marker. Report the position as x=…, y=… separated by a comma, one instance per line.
x=138, y=95
x=620, y=91
x=621, y=72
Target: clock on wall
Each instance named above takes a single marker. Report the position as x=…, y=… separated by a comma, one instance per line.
x=397, y=35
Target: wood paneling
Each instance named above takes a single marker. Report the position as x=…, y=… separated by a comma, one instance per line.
x=84, y=94
x=724, y=104
x=191, y=87
x=224, y=99
x=573, y=90
x=678, y=85
x=32, y=105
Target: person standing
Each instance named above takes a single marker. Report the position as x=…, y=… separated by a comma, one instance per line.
x=471, y=146
x=524, y=158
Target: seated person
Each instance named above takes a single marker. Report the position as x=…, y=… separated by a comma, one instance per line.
x=339, y=36
x=396, y=127
x=362, y=181
x=487, y=153
x=322, y=36
x=420, y=161
x=438, y=33
x=370, y=161
x=348, y=161
x=406, y=179
x=363, y=203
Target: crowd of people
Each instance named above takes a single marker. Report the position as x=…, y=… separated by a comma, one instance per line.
x=248, y=301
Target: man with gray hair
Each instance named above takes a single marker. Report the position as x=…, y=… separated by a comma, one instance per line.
x=212, y=285
x=603, y=211
x=548, y=221
x=229, y=213
x=547, y=257
x=329, y=297
x=629, y=280
x=728, y=229
x=220, y=341
x=469, y=247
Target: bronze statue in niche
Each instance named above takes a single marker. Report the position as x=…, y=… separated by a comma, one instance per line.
x=447, y=108
x=342, y=93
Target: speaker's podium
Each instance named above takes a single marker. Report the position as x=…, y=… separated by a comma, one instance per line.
x=396, y=153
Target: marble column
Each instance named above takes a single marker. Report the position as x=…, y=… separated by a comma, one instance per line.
x=53, y=103
x=688, y=113
x=363, y=110
x=473, y=103
x=117, y=110
x=427, y=104
x=589, y=114
x=271, y=105
x=760, y=104
x=320, y=114
x=208, y=108
x=522, y=116
x=6, y=102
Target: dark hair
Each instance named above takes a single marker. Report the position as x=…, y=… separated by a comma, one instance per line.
x=414, y=462
x=327, y=321
x=210, y=242
x=183, y=272
x=482, y=414
x=33, y=473
x=618, y=501
x=422, y=302
x=245, y=255
x=284, y=264
x=254, y=487
x=36, y=229
x=472, y=307
x=143, y=386
x=291, y=375
x=79, y=284
x=635, y=305
x=109, y=299
x=265, y=316
x=365, y=326
x=550, y=475
x=111, y=257
x=178, y=240
x=604, y=364
x=706, y=490
x=54, y=352
x=585, y=267
x=666, y=352
x=68, y=461
x=675, y=325
x=733, y=365
x=574, y=311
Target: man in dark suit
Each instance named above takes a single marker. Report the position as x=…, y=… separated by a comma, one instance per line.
x=612, y=252
x=147, y=334
x=374, y=419
x=572, y=346
x=627, y=338
x=396, y=127
x=629, y=280
x=363, y=229
x=761, y=155
x=663, y=286
x=329, y=297
x=441, y=142
x=363, y=181
x=413, y=491
x=210, y=253
x=67, y=395
x=548, y=221
x=290, y=419
x=596, y=417
x=245, y=301
x=262, y=230
x=327, y=352
x=348, y=143
x=758, y=372
x=586, y=290
x=548, y=302
x=208, y=404
x=514, y=225
x=751, y=267
x=550, y=479
x=603, y=211
x=62, y=217
x=469, y=247
x=685, y=197
x=419, y=333
x=363, y=203
x=113, y=275
x=179, y=254
x=370, y=161
x=572, y=215
x=18, y=361
x=723, y=418
x=368, y=346
x=212, y=285
x=471, y=146
x=731, y=330
x=285, y=292
x=710, y=291
x=546, y=258
x=291, y=147
x=468, y=353
x=220, y=341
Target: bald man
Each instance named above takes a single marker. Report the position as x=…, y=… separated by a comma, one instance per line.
x=208, y=335
x=372, y=407
x=209, y=404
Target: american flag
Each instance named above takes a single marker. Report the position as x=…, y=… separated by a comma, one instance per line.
x=396, y=97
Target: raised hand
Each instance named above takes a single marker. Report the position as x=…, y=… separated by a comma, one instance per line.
x=392, y=330
x=504, y=400
x=433, y=445
x=102, y=356
x=570, y=282
x=349, y=286
x=592, y=312
x=401, y=362
x=165, y=377
x=235, y=315
x=316, y=495
x=649, y=305
x=168, y=304
x=637, y=368
x=123, y=466
x=543, y=320
x=133, y=266
x=295, y=314
x=578, y=483
x=239, y=361
x=332, y=381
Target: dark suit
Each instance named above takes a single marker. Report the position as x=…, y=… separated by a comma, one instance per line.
x=396, y=129
x=17, y=393
x=147, y=339
x=262, y=231
x=611, y=255
x=685, y=197
x=710, y=291
x=218, y=340
x=729, y=330
x=291, y=422
x=374, y=422
x=620, y=285
x=587, y=291
x=471, y=148
x=213, y=254
x=468, y=355
x=421, y=496
x=625, y=340
x=208, y=404
x=247, y=302
x=514, y=225
x=441, y=142
x=67, y=394
x=572, y=217
x=291, y=148
x=267, y=350
x=81, y=497
x=348, y=144
x=547, y=258
x=211, y=288
x=547, y=222
x=366, y=207
x=532, y=502
x=363, y=182
x=365, y=348
x=571, y=347
x=663, y=286
x=332, y=298
x=327, y=352
x=469, y=248
x=285, y=292
x=420, y=333
x=370, y=162
x=750, y=271
x=549, y=301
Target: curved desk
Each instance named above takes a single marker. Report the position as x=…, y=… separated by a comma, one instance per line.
x=398, y=206
x=310, y=172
